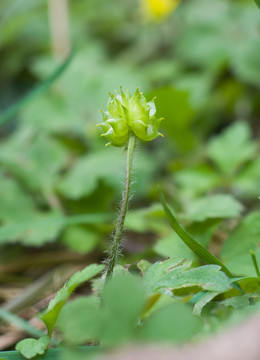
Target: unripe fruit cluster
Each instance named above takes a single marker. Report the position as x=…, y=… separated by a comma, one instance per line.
x=129, y=114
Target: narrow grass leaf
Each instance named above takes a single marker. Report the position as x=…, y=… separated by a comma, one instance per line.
x=198, y=249
x=22, y=324
x=9, y=113
x=51, y=354
x=253, y=257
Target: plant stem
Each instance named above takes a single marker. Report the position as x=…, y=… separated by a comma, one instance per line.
x=253, y=257
x=115, y=249
x=59, y=27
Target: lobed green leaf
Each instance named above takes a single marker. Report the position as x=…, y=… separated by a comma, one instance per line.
x=208, y=277
x=29, y=348
x=219, y=206
x=50, y=316
x=174, y=323
x=160, y=269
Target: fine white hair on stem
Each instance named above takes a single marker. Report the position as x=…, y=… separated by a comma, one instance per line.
x=115, y=247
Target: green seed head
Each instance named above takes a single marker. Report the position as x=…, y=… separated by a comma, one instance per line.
x=127, y=114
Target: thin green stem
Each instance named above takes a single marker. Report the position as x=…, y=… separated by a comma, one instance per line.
x=115, y=249
x=253, y=257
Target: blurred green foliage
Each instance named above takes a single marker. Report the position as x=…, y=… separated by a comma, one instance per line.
x=202, y=65
x=58, y=184
x=155, y=307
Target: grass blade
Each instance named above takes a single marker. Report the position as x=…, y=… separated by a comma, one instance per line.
x=9, y=113
x=13, y=319
x=253, y=257
x=51, y=354
x=198, y=249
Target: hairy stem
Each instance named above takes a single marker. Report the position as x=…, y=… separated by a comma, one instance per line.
x=115, y=249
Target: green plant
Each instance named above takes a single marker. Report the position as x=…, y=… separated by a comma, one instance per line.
x=59, y=185
x=127, y=119
x=142, y=307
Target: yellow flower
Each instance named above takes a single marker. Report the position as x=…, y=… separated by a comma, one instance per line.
x=158, y=9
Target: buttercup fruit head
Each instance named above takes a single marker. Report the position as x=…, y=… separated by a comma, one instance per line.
x=129, y=114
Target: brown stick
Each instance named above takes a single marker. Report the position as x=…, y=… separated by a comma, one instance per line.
x=9, y=339
x=59, y=26
x=49, y=282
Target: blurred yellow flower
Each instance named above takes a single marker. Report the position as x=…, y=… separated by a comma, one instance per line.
x=158, y=9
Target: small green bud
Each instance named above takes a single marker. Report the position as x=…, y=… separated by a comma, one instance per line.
x=127, y=114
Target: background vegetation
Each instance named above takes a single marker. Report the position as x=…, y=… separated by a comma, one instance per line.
x=60, y=186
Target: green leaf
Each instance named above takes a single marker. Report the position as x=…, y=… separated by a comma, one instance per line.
x=102, y=165
x=203, y=301
x=244, y=56
x=257, y=3
x=36, y=231
x=204, y=24
x=175, y=107
x=99, y=283
x=113, y=321
x=196, y=181
x=174, y=323
x=106, y=166
x=158, y=270
x=171, y=246
x=208, y=277
x=36, y=160
x=31, y=347
x=82, y=353
x=198, y=249
x=50, y=316
x=249, y=284
x=246, y=183
x=145, y=219
x=80, y=320
x=143, y=266
x=236, y=249
x=123, y=300
x=43, y=228
x=219, y=206
x=204, y=231
x=63, y=109
x=237, y=139
x=198, y=84
x=51, y=113
x=80, y=239
x=15, y=205
x=238, y=302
